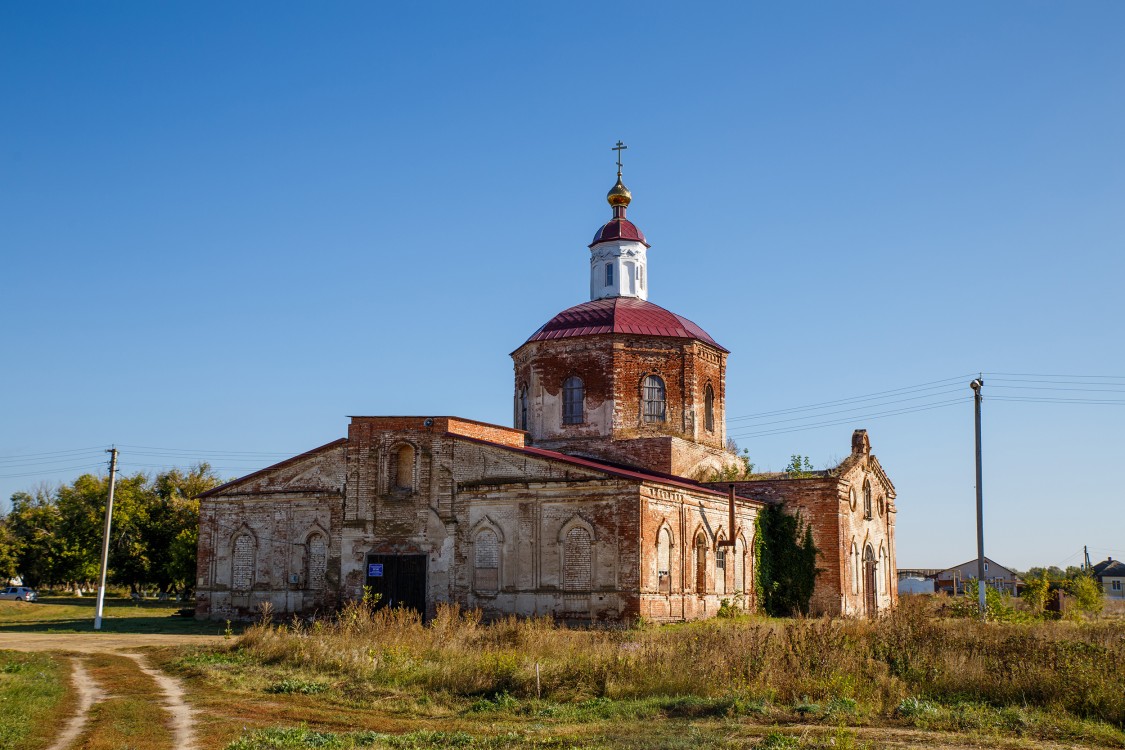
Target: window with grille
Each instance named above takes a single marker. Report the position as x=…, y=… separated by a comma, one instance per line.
x=573, y=394
x=242, y=563
x=577, y=563
x=486, y=551
x=709, y=409
x=654, y=405
x=318, y=562
x=609, y=274
x=664, y=553
x=721, y=570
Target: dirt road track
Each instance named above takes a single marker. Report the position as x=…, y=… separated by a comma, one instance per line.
x=170, y=697
x=93, y=643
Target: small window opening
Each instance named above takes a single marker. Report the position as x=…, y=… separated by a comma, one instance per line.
x=700, y=564
x=486, y=574
x=573, y=394
x=609, y=274
x=523, y=408
x=709, y=409
x=867, y=500
x=401, y=468
x=654, y=403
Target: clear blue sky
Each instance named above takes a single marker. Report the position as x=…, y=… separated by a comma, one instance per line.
x=226, y=227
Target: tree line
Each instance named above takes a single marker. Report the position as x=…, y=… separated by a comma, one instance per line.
x=52, y=537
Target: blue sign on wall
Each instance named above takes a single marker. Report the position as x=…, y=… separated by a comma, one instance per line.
x=375, y=570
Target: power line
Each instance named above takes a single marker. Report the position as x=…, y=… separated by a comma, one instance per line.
x=875, y=415
x=932, y=385
x=20, y=456
x=1048, y=388
x=855, y=409
x=1042, y=375
x=206, y=451
x=48, y=462
x=1049, y=400
x=40, y=472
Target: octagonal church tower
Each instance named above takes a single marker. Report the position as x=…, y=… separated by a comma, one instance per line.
x=621, y=379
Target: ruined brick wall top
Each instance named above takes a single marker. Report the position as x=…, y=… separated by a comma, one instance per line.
x=452, y=425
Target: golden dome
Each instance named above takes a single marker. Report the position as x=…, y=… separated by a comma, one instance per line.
x=619, y=195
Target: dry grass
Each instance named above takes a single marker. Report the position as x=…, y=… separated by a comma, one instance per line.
x=1075, y=668
x=645, y=687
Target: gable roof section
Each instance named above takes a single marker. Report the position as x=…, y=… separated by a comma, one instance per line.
x=617, y=470
x=973, y=563
x=873, y=464
x=223, y=489
x=1112, y=568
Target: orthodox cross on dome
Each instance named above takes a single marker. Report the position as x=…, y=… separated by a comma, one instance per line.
x=619, y=148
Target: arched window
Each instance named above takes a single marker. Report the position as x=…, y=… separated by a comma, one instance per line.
x=573, y=394
x=400, y=468
x=701, y=563
x=870, y=594
x=577, y=563
x=317, y=562
x=653, y=397
x=630, y=277
x=609, y=274
x=883, y=567
x=242, y=563
x=855, y=571
x=867, y=499
x=486, y=553
x=664, y=560
x=709, y=408
x=740, y=566
x=523, y=408
x=721, y=571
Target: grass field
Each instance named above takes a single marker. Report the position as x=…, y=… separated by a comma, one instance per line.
x=60, y=614
x=33, y=698
x=385, y=680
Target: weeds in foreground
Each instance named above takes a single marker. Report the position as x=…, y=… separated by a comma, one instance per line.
x=1050, y=679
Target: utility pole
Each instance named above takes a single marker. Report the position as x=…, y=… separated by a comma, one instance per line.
x=1086, y=566
x=976, y=386
x=105, y=538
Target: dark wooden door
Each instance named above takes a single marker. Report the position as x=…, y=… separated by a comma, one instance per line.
x=869, y=581
x=399, y=580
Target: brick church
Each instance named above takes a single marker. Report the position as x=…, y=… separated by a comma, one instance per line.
x=595, y=505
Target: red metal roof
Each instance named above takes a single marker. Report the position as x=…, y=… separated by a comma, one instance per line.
x=620, y=315
x=619, y=229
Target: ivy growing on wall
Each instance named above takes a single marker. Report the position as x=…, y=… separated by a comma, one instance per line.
x=785, y=562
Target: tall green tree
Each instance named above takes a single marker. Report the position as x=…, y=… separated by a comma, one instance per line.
x=785, y=562
x=56, y=534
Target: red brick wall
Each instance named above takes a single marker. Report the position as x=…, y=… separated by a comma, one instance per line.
x=613, y=368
